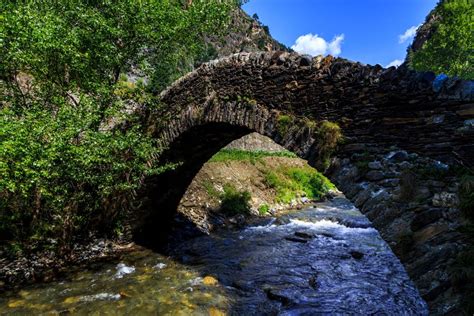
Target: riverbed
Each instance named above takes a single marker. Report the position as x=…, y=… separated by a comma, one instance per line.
x=323, y=260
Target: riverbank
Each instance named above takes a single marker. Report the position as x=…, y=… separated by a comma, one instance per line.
x=47, y=266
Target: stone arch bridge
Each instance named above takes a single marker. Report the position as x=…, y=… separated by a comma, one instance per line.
x=251, y=92
x=285, y=96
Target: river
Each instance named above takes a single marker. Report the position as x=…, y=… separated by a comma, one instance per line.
x=323, y=260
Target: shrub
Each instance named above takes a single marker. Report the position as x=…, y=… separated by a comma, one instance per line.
x=263, y=209
x=284, y=123
x=328, y=135
x=234, y=201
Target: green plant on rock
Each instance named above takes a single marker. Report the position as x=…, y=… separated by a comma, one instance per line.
x=328, y=135
x=284, y=122
x=235, y=202
x=263, y=209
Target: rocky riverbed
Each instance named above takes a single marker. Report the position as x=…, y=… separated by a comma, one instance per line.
x=324, y=259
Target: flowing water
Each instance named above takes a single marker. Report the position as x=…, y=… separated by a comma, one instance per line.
x=325, y=260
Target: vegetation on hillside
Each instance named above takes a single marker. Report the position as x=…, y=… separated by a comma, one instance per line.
x=67, y=67
x=449, y=48
x=244, y=155
x=290, y=183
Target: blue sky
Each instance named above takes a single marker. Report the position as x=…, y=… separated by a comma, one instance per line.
x=369, y=31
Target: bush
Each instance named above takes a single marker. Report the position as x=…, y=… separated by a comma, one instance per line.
x=263, y=209
x=235, y=202
x=328, y=135
x=284, y=123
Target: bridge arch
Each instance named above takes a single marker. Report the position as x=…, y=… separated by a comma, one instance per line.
x=255, y=92
x=285, y=96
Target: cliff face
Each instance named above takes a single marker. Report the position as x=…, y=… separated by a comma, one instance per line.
x=245, y=34
x=425, y=31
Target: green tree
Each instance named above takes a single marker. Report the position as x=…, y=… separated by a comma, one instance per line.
x=450, y=49
x=65, y=167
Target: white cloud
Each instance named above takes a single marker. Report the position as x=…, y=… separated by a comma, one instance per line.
x=315, y=45
x=410, y=33
x=396, y=63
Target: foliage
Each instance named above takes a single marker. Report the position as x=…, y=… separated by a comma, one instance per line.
x=449, y=50
x=244, y=155
x=263, y=209
x=328, y=135
x=284, y=123
x=291, y=182
x=234, y=201
x=66, y=167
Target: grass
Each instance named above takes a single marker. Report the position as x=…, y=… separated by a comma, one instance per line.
x=292, y=182
x=244, y=155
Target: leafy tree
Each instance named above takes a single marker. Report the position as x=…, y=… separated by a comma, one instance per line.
x=65, y=77
x=449, y=50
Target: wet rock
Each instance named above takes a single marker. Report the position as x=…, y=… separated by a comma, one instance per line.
x=313, y=282
x=397, y=156
x=425, y=218
x=305, y=200
x=390, y=183
x=296, y=239
x=356, y=254
x=304, y=235
x=423, y=193
x=123, y=270
x=405, y=165
x=375, y=175
x=278, y=295
x=375, y=165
